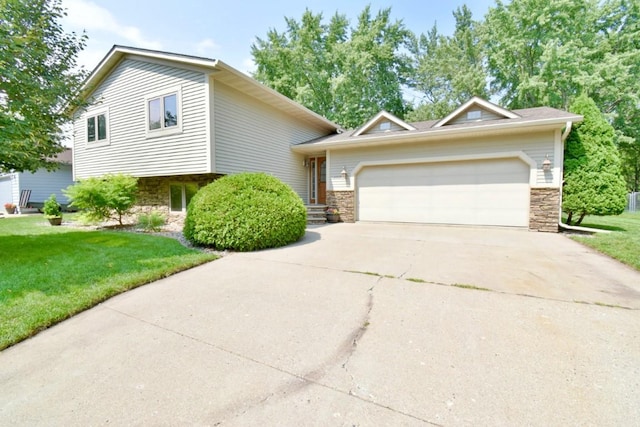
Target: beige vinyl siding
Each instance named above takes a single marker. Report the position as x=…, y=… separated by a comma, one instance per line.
x=253, y=136
x=484, y=115
x=130, y=150
x=535, y=145
x=376, y=127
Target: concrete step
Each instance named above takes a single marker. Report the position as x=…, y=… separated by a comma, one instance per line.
x=316, y=214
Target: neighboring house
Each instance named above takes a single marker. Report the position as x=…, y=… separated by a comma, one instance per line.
x=178, y=122
x=480, y=165
x=42, y=183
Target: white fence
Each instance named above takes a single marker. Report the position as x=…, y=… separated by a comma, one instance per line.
x=633, y=202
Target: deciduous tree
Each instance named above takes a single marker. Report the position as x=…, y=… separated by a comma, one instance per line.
x=38, y=80
x=449, y=70
x=103, y=198
x=345, y=74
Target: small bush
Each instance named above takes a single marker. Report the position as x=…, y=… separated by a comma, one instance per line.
x=152, y=221
x=52, y=208
x=245, y=212
x=105, y=197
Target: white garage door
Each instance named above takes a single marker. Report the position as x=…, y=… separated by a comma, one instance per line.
x=486, y=192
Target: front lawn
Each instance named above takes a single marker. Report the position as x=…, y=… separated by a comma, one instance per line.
x=48, y=274
x=623, y=243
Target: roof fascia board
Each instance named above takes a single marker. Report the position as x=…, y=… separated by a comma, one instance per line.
x=387, y=116
x=223, y=66
x=117, y=53
x=444, y=133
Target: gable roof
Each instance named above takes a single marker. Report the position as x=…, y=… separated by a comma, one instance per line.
x=380, y=117
x=223, y=73
x=475, y=103
x=529, y=119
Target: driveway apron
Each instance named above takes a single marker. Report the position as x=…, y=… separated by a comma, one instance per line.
x=357, y=324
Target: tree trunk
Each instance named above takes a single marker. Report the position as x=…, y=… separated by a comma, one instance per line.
x=569, y=218
x=582, y=215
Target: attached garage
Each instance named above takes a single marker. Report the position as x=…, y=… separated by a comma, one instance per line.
x=482, y=192
x=480, y=165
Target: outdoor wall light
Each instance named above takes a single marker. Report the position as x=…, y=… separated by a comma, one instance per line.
x=546, y=164
x=344, y=172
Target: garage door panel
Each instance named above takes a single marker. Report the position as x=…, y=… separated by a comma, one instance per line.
x=493, y=192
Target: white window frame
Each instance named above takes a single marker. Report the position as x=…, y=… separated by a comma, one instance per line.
x=163, y=131
x=94, y=114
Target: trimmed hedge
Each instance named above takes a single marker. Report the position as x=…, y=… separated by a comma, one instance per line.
x=245, y=212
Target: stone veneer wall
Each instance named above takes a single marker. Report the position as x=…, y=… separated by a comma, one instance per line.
x=544, y=210
x=345, y=202
x=153, y=195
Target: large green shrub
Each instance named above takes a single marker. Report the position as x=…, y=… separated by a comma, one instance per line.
x=245, y=212
x=593, y=181
x=105, y=197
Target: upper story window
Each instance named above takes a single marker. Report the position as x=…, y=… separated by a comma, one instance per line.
x=98, y=127
x=163, y=113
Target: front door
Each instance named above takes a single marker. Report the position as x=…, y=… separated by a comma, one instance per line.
x=322, y=180
x=318, y=181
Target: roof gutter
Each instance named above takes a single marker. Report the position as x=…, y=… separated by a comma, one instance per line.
x=561, y=225
x=440, y=133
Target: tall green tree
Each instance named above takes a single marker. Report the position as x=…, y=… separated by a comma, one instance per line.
x=539, y=51
x=449, y=70
x=345, y=74
x=593, y=182
x=38, y=81
x=548, y=52
x=619, y=96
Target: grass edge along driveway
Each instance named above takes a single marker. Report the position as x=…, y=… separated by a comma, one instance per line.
x=623, y=243
x=48, y=274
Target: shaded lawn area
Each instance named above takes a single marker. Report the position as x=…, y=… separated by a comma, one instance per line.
x=51, y=273
x=623, y=243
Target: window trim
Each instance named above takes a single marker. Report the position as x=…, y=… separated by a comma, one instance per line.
x=94, y=114
x=163, y=131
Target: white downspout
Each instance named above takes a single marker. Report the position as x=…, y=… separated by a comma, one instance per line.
x=563, y=137
x=565, y=134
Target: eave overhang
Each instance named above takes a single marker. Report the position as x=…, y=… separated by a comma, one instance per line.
x=437, y=134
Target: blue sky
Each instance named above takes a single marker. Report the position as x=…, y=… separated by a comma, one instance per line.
x=226, y=30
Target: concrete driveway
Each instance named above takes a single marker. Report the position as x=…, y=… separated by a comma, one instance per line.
x=358, y=324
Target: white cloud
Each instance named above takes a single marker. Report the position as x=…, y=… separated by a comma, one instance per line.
x=207, y=47
x=86, y=15
x=249, y=66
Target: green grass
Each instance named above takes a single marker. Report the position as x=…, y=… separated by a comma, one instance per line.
x=623, y=243
x=466, y=286
x=51, y=273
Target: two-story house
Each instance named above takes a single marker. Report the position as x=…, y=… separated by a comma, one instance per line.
x=178, y=122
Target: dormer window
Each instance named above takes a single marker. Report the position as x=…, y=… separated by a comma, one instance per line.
x=474, y=115
x=385, y=126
